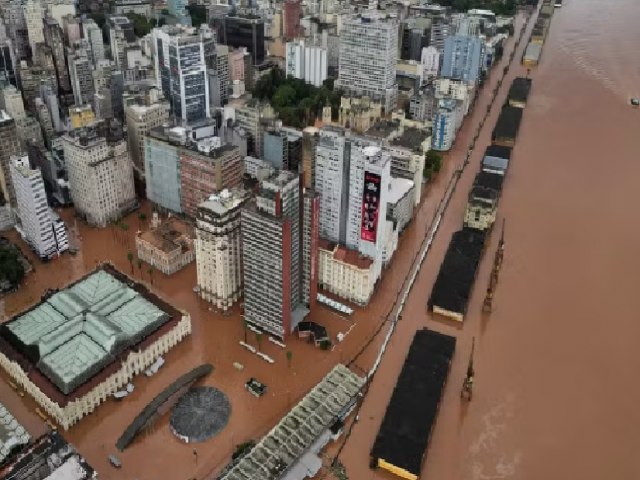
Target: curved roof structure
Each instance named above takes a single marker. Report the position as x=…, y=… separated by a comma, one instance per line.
x=200, y=414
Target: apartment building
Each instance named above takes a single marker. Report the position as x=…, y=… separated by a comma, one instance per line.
x=219, y=248
x=9, y=146
x=140, y=120
x=100, y=176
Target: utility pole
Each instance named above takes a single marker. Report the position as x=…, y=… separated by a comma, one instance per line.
x=467, y=385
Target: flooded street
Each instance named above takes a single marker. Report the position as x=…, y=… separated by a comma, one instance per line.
x=555, y=393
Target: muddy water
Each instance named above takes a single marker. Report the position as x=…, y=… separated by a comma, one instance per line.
x=555, y=394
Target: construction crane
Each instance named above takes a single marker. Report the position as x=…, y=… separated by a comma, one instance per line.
x=493, y=280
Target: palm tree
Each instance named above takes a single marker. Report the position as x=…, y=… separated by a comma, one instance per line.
x=141, y=218
x=130, y=258
x=289, y=357
x=259, y=339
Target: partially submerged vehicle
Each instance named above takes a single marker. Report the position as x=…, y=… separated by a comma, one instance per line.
x=255, y=388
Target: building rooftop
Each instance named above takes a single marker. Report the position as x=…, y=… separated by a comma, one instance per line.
x=455, y=280
x=171, y=235
x=50, y=457
x=292, y=437
x=346, y=255
x=489, y=180
x=498, y=151
x=406, y=428
x=73, y=338
x=383, y=129
x=508, y=123
x=221, y=203
x=12, y=434
x=398, y=188
x=519, y=90
x=495, y=164
x=411, y=138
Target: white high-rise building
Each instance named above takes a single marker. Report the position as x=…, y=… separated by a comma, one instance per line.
x=100, y=176
x=219, y=248
x=34, y=17
x=308, y=63
x=93, y=35
x=430, y=61
x=40, y=227
x=368, y=57
x=11, y=102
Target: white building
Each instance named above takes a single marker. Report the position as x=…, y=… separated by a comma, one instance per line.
x=34, y=17
x=430, y=60
x=368, y=57
x=219, y=248
x=100, y=176
x=93, y=35
x=12, y=102
x=308, y=63
x=40, y=227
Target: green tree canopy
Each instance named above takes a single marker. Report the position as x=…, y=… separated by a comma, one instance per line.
x=11, y=268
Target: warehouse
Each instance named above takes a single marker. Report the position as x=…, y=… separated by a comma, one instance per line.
x=519, y=92
x=507, y=126
x=403, y=438
x=80, y=345
x=452, y=289
x=532, y=54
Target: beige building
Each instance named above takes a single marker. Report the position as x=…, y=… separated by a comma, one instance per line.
x=219, y=248
x=359, y=114
x=91, y=339
x=81, y=116
x=140, y=120
x=168, y=246
x=345, y=272
x=100, y=176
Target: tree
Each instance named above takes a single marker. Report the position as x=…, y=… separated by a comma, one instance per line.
x=141, y=24
x=432, y=163
x=259, y=339
x=11, y=268
x=141, y=219
x=130, y=258
x=289, y=357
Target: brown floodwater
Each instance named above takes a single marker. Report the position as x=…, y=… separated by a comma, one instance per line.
x=555, y=394
x=555, y=390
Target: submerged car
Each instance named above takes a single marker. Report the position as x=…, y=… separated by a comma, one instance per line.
x=635, y=102
x=255, y=387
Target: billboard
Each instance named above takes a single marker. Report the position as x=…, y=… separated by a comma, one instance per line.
x=370, y=207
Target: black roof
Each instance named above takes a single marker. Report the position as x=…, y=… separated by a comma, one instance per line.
x=508, y=123
x=498, y=151
x=489, y=180
x=406, y=428
x=458, y=271
x=520, y=88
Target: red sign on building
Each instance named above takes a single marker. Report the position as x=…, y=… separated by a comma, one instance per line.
x=370, y=207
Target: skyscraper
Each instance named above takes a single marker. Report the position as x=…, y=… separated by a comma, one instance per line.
x=34, y=16
x=40, y=227
x=54, y=38
x=9, y=146
x=273, y=242
x=80, y=74
x=243, y=31
x=182, y=72
x=368, y=57
x=93, y=35
x=140, y=120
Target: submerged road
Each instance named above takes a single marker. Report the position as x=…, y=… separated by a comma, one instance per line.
x=555, y=391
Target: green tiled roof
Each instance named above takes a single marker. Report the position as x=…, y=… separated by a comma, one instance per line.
x=79, y=330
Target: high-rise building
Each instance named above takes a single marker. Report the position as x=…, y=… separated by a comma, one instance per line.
x=8, y=65
x=9, y=146
x=162, y=167
x=430, y=61
x=13, y=15
x=11, y=102
x=178, y=8
x=206, y=169
x=33, y=79
x=282, y=149
x=243, y=31
x=310, y=137
x=93, y=35
x=40, y=227
x=273, y=249
x=218, y=78
x=462, y=58
x=81, y=77
x=140, y=120
x=71, y=29
x=308, y=63
x=444, y=125
x=219, y=248
x=181, y=71
x=100, y=176
x=292, y=14
x=121, y=37
x=253, y=117
x=55, y=40
x=34, y=16
x=368, y=57
x=440, y=30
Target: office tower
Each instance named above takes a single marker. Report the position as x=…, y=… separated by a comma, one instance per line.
x=81, y=77
x=8, y=65
x=282, y=149
x=243, y=31
x=45, y=121
x=54, y=38
x=121, y=37
x=32, y=79
x=100, y=176
x=50, y=162
x=57, y=9
x=415, y=34
x=71, y=29
x=219, y=248
x=50, y=98
x=444, y=125
x=178, y=8
x=440, y=30
x=310, y=137
x=9, y=146
x=162, y=167
x=292, y=14
x=140, y=120
x=218, y=78
x=205, y=169
x=182, y=73
x=40, y=227
x=308, y=63
x=93, y=35
x=462, y=58
x=273, y=248
x=34, y=16
x=11, y=102
x=368, y=57
x=252, y=117
x=14, y=19
x=108, y=81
